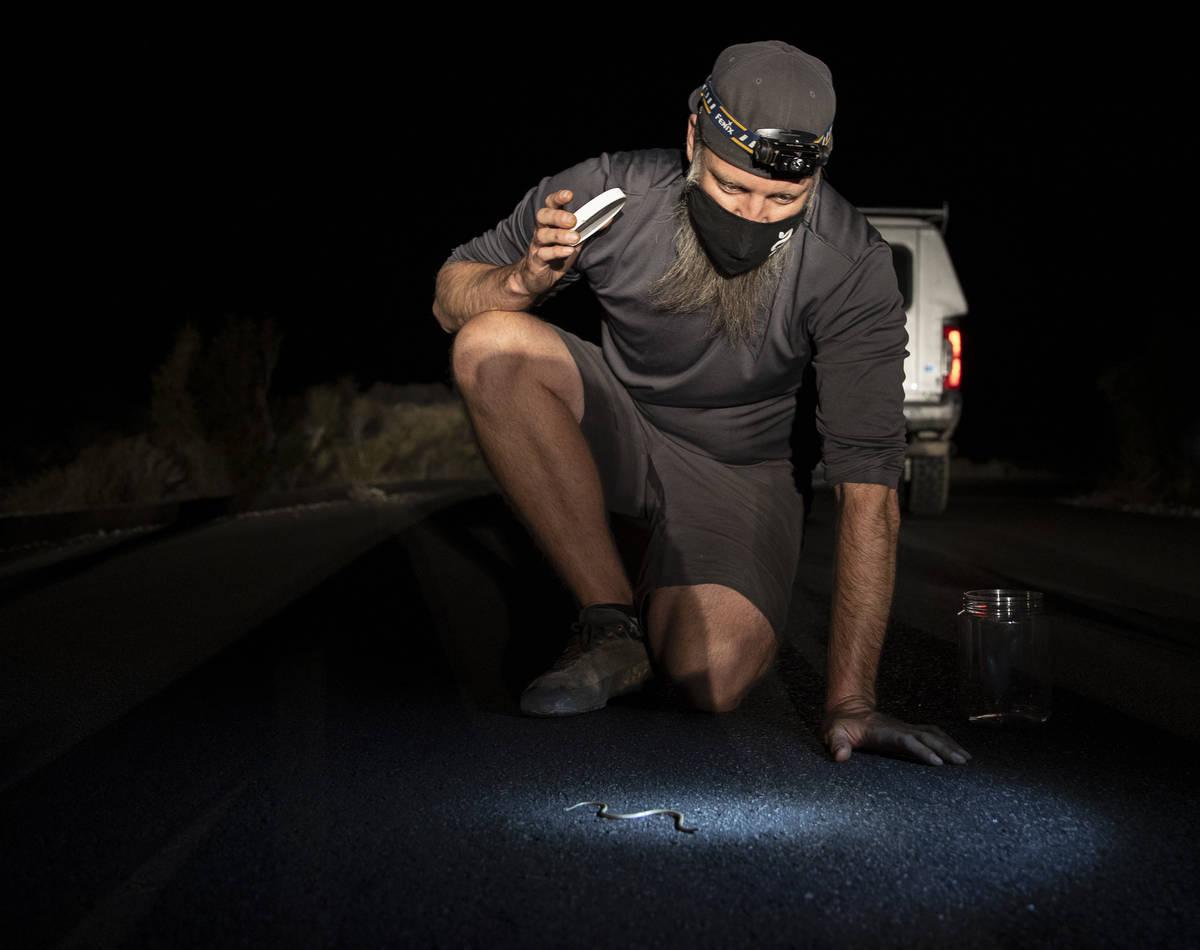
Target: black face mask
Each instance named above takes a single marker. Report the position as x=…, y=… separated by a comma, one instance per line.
x=734, y=244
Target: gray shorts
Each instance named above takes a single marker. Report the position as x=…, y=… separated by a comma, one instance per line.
x=710, y=522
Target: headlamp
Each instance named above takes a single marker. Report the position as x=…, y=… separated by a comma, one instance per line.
x=788, y=153
x=794, y=154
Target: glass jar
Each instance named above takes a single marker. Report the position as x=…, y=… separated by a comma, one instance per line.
x=1004, y=658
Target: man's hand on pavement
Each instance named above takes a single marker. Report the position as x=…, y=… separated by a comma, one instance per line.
x=859, y=726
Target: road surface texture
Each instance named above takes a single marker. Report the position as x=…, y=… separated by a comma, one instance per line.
x=299, y=729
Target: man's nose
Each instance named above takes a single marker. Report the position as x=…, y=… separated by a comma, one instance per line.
x=753, y=208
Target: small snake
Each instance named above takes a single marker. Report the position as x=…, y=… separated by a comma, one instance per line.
x=605, y=813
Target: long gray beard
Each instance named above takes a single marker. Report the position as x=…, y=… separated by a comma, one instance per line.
x=738, y=305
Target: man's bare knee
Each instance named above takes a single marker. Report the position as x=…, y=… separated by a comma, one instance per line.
x=718, y=687
x=710, y=641
x=484, y=344
x=711, y=694
x=500, y=351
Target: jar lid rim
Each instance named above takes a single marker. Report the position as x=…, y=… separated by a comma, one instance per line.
x=1000, y=597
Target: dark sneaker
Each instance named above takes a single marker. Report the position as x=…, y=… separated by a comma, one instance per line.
x=605, y=657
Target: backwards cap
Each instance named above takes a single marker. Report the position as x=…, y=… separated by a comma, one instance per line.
x=768, y=85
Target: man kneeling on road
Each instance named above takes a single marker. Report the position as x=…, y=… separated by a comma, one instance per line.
x=720, y=281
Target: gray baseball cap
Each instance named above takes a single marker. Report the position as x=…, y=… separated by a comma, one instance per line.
x=769, y=85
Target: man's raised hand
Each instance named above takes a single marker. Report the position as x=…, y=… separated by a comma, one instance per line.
x=551, y=250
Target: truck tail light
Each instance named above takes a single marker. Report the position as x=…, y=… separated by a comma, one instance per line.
x=953, y=338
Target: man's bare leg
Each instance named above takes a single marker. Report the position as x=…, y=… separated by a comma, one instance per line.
x=525, y=398
x=711, y=641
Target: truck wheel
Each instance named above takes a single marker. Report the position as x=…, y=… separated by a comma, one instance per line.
x=929, y=487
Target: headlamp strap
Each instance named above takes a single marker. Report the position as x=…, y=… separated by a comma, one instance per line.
x=730, y=127
x=737, y=133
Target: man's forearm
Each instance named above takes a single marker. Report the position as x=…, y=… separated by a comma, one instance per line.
x=466, y=289
x=868, y=525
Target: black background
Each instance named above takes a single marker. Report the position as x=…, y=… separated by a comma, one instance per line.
x=318, y=173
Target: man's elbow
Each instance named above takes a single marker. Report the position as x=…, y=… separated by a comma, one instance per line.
x=442, y=311
x=442, y=316
x=863, y=492
x=878, y=502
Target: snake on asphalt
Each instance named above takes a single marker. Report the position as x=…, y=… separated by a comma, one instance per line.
x=605, y=813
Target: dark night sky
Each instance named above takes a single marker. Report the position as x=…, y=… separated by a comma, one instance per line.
x=319, y=175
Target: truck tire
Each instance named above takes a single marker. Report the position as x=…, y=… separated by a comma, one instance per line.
x=929, y=486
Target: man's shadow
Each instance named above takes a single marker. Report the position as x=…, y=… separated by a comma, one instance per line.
x=501, y=614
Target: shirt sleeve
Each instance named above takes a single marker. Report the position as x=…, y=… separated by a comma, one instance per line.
x=509, y=239
x=859, y=350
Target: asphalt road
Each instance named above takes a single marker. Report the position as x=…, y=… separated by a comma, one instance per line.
x=300, y=730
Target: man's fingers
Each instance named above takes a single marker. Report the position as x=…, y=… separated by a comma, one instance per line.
x=555, y=218
x=919, y=750
x=551, y=237
x=554, y=240
x=931, y=745
x=941, y=743
x=553, y=252
x=553, y=215
x=555, y=228
x=553, y=246
x=942, y=734
x=876, y=732
x=839, y=746
x=946, y=747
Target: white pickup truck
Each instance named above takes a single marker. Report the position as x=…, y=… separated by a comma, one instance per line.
x=934, y=303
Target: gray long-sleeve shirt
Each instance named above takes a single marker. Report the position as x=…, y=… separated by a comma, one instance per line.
x=837, y=305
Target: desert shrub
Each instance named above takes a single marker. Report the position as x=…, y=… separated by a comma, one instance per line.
x=115, y=471
x=172, y=408
x=209, y=400
x=213, y=431
x=389, y=433
x=432, y=441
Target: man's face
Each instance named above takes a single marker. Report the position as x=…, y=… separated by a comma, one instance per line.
x=764, y=200
x=737, y=306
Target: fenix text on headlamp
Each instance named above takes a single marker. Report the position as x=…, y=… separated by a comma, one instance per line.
x=789, y=153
